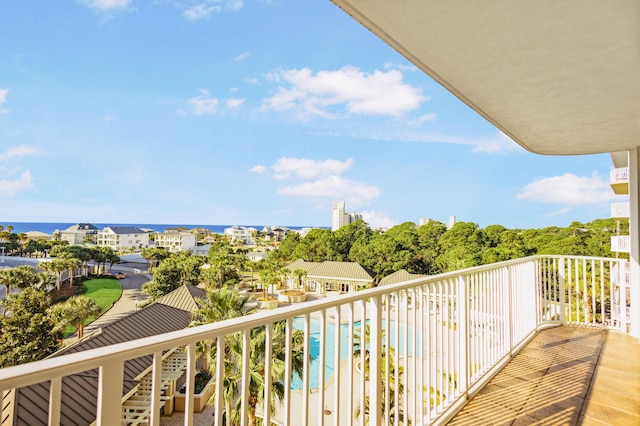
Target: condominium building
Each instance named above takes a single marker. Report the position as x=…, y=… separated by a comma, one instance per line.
x=340, y=218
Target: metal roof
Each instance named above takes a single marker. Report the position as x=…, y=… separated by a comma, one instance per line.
x=558, y=77
x=333, y=270
x=124, y=230
x=399, y=276
x=79, y=391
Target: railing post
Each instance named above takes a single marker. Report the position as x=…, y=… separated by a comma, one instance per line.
x=110, y=393
x=375, y=361
x=508, y=280
x=464, y=371
x=219, y=400
x=562, y=290
x=190, y=385
x=55, y=392
x=156, y=386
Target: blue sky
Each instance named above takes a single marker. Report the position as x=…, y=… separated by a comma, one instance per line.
x=251, y=113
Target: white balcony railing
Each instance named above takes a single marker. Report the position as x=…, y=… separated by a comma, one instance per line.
x=433, y=344
x=620, y=210
x=621, y=244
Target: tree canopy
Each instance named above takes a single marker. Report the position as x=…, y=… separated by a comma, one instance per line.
x=432, y=248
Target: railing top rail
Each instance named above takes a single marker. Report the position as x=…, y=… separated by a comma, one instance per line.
x=26, y=374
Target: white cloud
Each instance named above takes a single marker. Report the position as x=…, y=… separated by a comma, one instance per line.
x=12, y=187
x=500, y=143
x=234, y=102
x=204, y=104
x=317, y=179
x=235, y=4
x=345, y=91
x=568, y=189
x=3, y=99
x=107, y=4
x=200, y=11
x=18, y=151
x=422, y=119
x=401, y=67
x=203, y=9
x=304, y=168
x=241, y=57
x=334, y=187
x=377, y=219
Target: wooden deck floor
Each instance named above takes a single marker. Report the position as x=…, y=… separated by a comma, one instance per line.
x=564, y=376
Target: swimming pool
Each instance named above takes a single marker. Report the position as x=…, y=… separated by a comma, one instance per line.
x=330, y=350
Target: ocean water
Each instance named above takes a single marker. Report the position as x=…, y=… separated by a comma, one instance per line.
x=51, y=227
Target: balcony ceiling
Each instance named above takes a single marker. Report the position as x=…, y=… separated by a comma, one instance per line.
x=558, y=77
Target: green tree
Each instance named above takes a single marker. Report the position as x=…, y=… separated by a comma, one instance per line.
x=287, y=247
x=28, y=333
x=233, y=363
x=155, y=255
x=461, y=247
x=23, y=276
x=178, y=269
x=395, y=414
x=77, y=310
x=345, y=237
x=317, y=246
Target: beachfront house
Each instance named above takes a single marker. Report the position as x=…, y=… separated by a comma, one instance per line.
x=123, y=238
x=558, y=78
x=240, y=234
x=79, y=234
x=175, y=241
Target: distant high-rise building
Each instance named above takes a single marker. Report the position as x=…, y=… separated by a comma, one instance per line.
x=452, y=221
x=425, y=220
x=340, y=218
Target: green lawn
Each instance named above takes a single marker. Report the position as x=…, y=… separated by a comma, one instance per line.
x=104, y=292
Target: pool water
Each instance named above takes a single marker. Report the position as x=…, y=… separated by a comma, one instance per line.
x=330, y=354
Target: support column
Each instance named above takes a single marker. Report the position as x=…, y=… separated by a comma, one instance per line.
x=634, y=237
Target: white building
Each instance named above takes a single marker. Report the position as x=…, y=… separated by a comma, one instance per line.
x=79, y=233
x=241, y=234
x=122, y=238
x=340, y=218
x=175, y=241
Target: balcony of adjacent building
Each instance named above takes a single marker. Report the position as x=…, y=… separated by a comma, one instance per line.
x=620, y=180
x=620, y=211
x=536, y=340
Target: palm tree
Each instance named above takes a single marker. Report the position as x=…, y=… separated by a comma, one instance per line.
x=72, y=264
x=80, y=309
x=299, y=274
x=257, y=369
x=220, y=305
x=225, y=304
x=23, y=276
x=396, y=413
x=46, y=280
